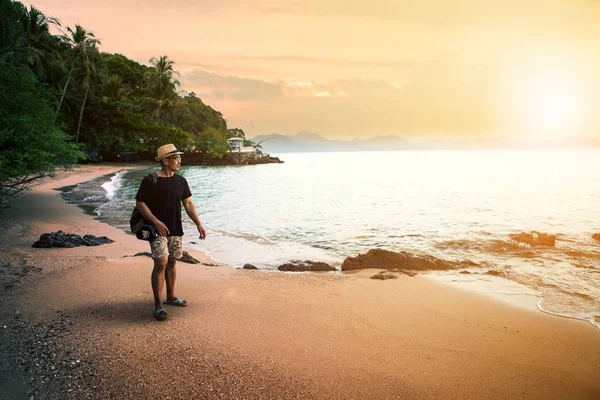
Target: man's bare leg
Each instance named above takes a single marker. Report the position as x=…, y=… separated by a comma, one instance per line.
x=158, y=279
x=170, y=276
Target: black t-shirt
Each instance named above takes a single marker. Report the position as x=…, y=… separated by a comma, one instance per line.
x=165, y=201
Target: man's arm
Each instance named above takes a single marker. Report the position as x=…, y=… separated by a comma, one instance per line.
x=148, y=216
x=190, y=209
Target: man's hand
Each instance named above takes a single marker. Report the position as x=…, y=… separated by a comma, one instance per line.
x=201, y=231
x=148, y=216
x=162, y=229
x=190, y=209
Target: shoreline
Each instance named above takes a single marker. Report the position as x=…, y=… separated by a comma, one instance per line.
x=506, y=290
x=256, y=335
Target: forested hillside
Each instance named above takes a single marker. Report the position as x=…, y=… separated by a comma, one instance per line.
x=61, y=96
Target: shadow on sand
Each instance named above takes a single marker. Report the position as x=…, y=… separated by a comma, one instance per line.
x=135, y=311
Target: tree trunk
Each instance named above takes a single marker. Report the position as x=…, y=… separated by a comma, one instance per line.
x=81, y=114
x=62, y=97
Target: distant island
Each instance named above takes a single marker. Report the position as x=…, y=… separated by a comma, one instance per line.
x=313, y=142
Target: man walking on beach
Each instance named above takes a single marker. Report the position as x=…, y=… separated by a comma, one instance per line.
x=160, y=204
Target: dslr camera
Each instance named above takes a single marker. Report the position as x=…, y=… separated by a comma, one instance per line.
x=147, y=232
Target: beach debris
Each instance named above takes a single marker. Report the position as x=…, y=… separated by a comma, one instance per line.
x=534, y=238
x=402, y=261
x=69, y=240
x=596, y=236
x=185, y=257
x=304, y=266
x=383, y=275
x=249, y=266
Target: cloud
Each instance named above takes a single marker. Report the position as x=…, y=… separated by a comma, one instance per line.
x=221, y=87
x=343, y=106
x=211, y=85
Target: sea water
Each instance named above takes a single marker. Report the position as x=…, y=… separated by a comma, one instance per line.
x=454, y=205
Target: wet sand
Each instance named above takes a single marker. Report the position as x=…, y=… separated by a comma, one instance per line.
x=79, y=325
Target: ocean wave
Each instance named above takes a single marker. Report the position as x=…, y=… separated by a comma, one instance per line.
x=408, y=235
x=247, y=236
x=575, y=250
x=113, y=184
x=592, y=319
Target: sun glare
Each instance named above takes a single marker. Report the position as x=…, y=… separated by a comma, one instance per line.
x=551, y=103
x=554, y=105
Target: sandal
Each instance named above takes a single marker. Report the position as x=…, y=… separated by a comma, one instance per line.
x=176, y=302
x=160, y=314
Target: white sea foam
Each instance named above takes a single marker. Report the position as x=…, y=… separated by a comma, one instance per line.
x=112, y=185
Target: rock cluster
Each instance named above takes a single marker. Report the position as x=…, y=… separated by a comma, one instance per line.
x=68, y=240
x=305, y=266
x=534, y=238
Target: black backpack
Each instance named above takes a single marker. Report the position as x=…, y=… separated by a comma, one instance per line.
x=137, y=221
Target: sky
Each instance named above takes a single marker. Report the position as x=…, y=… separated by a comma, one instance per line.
x=418, y=69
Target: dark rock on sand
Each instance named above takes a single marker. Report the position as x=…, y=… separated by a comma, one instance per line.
x=596, y=236
x=69, y=240
x=187, y=258
x=249, y=266
x=303, y=266
x=389, y=260
x=383, y=275
x=534, y=238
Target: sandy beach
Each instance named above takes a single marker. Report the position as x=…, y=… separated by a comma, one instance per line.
x=76, y=323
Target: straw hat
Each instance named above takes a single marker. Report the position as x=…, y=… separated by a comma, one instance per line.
x=166, y=151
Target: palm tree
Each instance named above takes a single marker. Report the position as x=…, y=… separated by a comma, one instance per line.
x=35, y=26
x=161, y=87
x=81, y=43
x=163, y=66
x=25, y=35
x=114, y=90
x=88, y=75
x=11, y=34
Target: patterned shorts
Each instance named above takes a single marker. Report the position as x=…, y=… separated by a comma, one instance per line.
x=167, y=246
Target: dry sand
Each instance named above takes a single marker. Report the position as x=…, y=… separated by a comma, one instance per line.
x=76, y=323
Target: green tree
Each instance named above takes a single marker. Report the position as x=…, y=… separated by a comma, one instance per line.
x=132, y=74
x=193, y=116
x=212, y=141
x=113, y=90
x=31, y=145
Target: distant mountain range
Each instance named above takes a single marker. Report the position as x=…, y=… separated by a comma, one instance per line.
x=313, y=142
